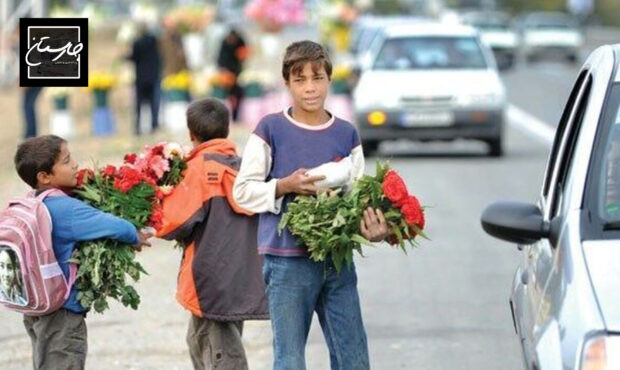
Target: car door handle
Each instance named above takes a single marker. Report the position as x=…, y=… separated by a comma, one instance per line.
x=525, y=276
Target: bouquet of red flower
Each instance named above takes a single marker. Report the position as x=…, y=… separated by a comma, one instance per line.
x=329, y=223
x=134, y=192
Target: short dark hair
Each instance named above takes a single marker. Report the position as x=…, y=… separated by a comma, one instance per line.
x=38, y=154
x=208, y=119
x=301, y=52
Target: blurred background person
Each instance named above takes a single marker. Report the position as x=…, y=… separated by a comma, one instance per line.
x=10, y=286
x=29, y=100
x=233, y=52
x=147, y=60
x=29, y=96
x=172, y=52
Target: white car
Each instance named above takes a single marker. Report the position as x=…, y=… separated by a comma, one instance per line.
x=564, y=298
x=430, y=81
x=368, y=28
x=495, y=31
x=548, y=33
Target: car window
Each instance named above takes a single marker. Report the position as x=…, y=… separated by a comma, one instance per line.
x=559, y=133
x=609, y=168
x=564, y=149
x=567, y=158
x=430, y=53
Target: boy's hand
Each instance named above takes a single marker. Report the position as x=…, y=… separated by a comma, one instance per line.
x=298, y=183
x=373, y=225
x=143, y=236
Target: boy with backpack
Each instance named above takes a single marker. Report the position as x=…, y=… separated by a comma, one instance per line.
x=276, y=160
x=58, y=334
x=220, y=280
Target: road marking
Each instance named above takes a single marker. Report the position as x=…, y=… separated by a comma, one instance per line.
x=531, y=125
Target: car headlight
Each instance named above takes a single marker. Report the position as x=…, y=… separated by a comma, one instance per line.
x=601, y=352
x=376, y=118
x=479, y=99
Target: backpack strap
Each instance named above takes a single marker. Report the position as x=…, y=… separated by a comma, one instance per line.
x=53, y=192
x=72, y=278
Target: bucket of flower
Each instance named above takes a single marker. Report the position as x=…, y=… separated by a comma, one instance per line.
x=101, y=85
x=176, y=93
x=133, y=191
x=328, y=224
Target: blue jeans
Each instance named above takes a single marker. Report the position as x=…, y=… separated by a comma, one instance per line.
x=296, y=288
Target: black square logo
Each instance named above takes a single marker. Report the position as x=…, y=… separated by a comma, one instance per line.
x=53, y=52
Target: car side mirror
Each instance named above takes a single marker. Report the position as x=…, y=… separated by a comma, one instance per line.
x=515, y=222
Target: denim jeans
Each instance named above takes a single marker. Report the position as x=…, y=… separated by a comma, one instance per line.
x=296, y=288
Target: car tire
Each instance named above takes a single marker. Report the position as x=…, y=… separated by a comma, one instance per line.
x=369, y=147
x=495, y=147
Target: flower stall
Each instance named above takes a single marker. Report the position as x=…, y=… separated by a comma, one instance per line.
x=101, y=84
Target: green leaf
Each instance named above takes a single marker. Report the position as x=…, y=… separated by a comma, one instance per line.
x=361, y=240
x=398, y=233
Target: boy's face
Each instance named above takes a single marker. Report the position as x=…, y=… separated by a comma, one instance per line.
x=64, y=172
x=309, y=88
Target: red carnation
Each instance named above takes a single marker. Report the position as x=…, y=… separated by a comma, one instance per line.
x=109, y=170
x=412, y=212
x=131, y=158
x=394, y=188
x=149, y=178
x=83, y=176
x=126, y=179
x=157, y=150
x=157, y=217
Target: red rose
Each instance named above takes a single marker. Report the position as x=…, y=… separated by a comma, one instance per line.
x=131, y=158
x=420, y=226
x=412, y=212
x=109, y=170
x=394, y=188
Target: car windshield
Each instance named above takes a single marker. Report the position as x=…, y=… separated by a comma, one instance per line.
x=609, y=171
x=488, y=22
x=490, y=25
x=366, y=39
x=550, y=22
x=430, y=53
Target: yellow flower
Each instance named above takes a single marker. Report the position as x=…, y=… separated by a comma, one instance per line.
x=177, y=81
x=341, y=72
x=101, y=81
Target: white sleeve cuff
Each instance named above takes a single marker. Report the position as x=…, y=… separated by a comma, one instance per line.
x=275, y=205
